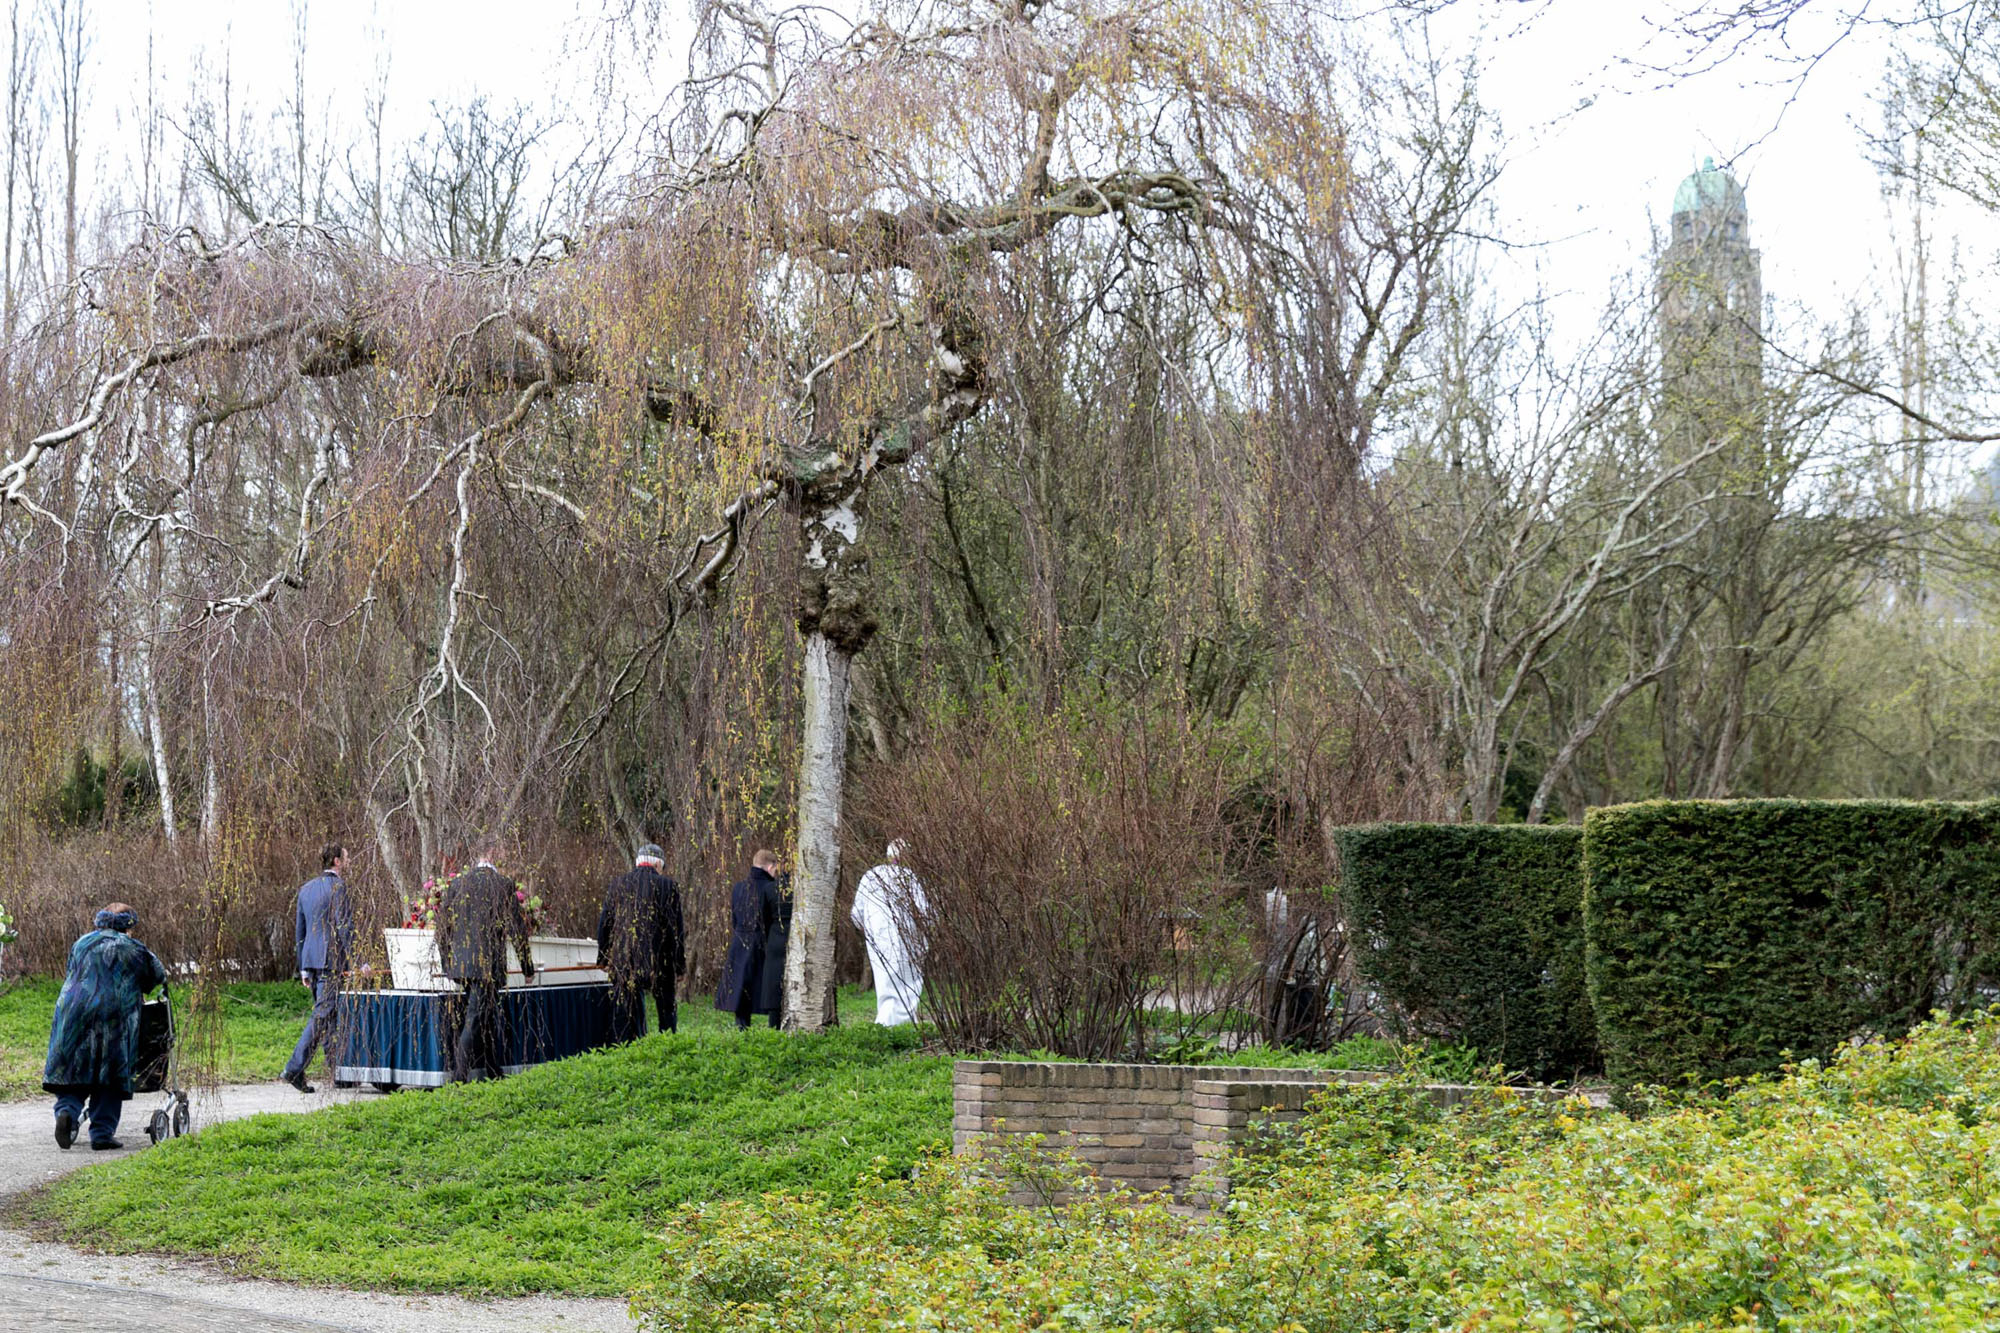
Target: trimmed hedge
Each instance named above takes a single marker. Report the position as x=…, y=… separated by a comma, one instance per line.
x=1475, y=931
x=1725, y=935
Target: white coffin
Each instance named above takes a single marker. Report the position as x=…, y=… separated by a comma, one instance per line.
x=413, y=961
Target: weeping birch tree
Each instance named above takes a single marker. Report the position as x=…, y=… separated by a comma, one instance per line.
x=800, y=296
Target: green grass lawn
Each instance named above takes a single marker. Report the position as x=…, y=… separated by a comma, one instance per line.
x=560, y=1179
x=260, y=1023
x=557, y=1179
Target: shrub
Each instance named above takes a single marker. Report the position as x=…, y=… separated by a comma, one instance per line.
x=1852, y=1197
x=1475, y=933
x=1723, y=935
x=1071, y=868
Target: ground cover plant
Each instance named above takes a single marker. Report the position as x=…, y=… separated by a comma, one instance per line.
x=260, y=1024
x=557, y=1179
x=1852, y=1196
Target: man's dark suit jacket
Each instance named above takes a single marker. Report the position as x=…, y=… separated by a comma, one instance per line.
x=641, y=934
x=476, y=917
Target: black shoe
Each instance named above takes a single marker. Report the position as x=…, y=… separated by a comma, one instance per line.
x=109, y=1145
x=65, y=1130
x=298, y=1081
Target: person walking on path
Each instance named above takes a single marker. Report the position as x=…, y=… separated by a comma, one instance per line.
x=324, y=931
x=753, y=908
x=94, y=1041
x=642, y=944
x=887, y=904
x=477, y=915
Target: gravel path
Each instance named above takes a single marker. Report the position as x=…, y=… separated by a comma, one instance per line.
x=55, y=1287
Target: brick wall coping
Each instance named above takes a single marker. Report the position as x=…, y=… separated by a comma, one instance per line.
x=1068, y=1074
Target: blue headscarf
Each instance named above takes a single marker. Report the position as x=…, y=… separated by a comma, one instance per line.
x=118, y=921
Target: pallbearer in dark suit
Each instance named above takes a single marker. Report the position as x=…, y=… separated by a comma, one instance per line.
x=478, y=914
x=324, y=931
x=771, y=985
x=641, y=943
x=753, y=909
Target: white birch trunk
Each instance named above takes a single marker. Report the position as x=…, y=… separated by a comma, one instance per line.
x=385, y=846
x=816, y=883
x=211, y=771
x=157, y=735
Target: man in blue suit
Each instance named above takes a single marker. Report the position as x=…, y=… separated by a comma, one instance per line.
x=325, y=934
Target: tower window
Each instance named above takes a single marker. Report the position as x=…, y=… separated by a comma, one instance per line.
x=1735, y=229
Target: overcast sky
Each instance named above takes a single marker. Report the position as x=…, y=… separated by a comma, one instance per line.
x=1594, y=146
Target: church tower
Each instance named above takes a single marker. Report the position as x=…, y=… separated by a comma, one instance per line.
x=1709, y=286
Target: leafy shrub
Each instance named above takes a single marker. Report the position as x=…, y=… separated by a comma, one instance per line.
x=1071, y=867
x=91, y=793
x=1724, y=935
x=1475, y=933
x=1855, y=1196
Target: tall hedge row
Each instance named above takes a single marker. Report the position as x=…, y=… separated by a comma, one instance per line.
x=1475, y=931
x=1723, y=934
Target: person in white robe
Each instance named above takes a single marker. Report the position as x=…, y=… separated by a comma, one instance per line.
x=885, y=903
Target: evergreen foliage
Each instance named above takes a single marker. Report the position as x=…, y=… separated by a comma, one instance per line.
x=1475, y=931
x=1723, y=935
x=1853, y=1195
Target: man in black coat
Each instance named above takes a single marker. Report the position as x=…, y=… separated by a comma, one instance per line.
x=771, y=985
x=753, y=908
x=641, y=943
x=478, y=914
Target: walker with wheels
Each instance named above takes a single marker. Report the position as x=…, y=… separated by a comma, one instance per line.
x=157, y=1069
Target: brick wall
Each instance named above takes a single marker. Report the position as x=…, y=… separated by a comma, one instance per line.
x=1148, y=1128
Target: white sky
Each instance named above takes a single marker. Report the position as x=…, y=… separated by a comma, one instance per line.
x=1595, y=148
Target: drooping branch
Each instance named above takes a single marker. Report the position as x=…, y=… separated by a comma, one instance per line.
x=14, y=476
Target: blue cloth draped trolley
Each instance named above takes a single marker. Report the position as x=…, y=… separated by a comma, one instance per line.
x=401, y=1037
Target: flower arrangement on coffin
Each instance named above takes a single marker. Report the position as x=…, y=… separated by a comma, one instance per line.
x=423, y=910
x=531, y=909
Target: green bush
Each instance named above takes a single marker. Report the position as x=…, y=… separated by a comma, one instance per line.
x=1725, y=934
x=1850, y=1197
x=1475, y=931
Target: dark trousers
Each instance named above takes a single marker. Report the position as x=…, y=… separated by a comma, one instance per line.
x=319, y=1023
x=628, y=1006
x=106, y=1105
x=476, y=1010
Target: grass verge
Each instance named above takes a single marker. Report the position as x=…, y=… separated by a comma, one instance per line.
x=556, y=1180
x=260, y=1023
